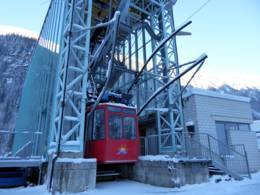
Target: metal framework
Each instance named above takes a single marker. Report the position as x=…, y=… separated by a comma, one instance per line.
x=71, y=84
x=110, y=45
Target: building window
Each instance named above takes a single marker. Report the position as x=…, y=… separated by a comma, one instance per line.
x=223, y=133
x=258, y=138
x=243, y=127
x=236, y=126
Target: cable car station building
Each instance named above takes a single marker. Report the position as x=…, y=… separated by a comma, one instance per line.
x=227, y=118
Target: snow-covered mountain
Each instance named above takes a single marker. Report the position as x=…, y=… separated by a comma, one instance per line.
x=205, y=79
x=15, y=55
x=7, y=30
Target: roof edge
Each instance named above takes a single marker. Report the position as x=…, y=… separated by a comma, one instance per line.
x=203, y=92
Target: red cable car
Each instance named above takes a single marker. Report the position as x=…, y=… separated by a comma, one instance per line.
x=113, y=134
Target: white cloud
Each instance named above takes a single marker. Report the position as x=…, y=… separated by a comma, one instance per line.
x=5, y=29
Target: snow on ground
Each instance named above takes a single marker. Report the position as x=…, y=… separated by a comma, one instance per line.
x=245, y=187
x=158, y=158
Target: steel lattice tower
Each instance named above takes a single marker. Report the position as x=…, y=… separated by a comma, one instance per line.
x=82, y=42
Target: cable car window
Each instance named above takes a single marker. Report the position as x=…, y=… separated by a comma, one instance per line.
x=99, y=127
x=115, y=127
x=129, y=128
x=89, y=125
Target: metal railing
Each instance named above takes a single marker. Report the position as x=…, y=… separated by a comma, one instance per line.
x=231, y=159
x=26, y=144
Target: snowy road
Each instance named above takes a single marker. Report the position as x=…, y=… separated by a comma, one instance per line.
x=245, y=187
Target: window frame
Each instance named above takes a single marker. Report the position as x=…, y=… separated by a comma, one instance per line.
x=133, y=131
x=258, y=139
x=236, y=124
x=122, y=114
x=94, y=125
x=115, y=114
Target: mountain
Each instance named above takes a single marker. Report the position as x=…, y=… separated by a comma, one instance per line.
x=15, y=55
x=207, y=79
x=7, y=30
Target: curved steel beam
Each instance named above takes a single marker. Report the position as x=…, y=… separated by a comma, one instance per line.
x=155, y=51
x=110, y=63
x=156, y=93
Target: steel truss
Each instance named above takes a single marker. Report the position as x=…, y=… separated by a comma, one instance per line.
x=67, y=130
x=167, y=107
x=98, y=51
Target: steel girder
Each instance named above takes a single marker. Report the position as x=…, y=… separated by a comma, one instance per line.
x=134, y=52
x=68, y=116
x=149, y=21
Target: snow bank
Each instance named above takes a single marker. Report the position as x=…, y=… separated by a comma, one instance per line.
x=158, y=158
x=76, y=160
x=223, y=187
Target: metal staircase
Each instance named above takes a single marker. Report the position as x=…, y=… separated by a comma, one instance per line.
x=203, y=146
x=233, y=161
x=215, y=171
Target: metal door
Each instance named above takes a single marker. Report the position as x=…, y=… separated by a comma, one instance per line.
x=222, y=137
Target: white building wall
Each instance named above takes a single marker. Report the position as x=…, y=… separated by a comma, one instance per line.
x=204, y=110
x=248, y=138
x=189, y=110
x=212, y=109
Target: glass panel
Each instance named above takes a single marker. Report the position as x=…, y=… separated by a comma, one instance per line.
x=99, y=127
x=89, y=126
x=222, y=136
x=115, y=127
x=231, y=126
x=258, y=139
x=244, y=127
x=129, y=128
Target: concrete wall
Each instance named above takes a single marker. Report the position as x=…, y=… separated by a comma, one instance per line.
x=205, y=110
x=74, y=175
x=170, y=174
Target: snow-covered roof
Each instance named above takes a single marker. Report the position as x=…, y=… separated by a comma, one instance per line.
x=117, y=105
x=255, y=126
x=203, y=92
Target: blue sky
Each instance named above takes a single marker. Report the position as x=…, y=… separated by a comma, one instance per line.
x=227, y=30
x=27, y=14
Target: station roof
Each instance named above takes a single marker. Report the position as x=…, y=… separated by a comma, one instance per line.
x=204, y=92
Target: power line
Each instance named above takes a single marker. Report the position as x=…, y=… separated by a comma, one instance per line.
x=44, y=2
x=198, y=10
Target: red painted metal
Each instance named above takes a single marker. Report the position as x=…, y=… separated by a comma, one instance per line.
x=110, y=150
